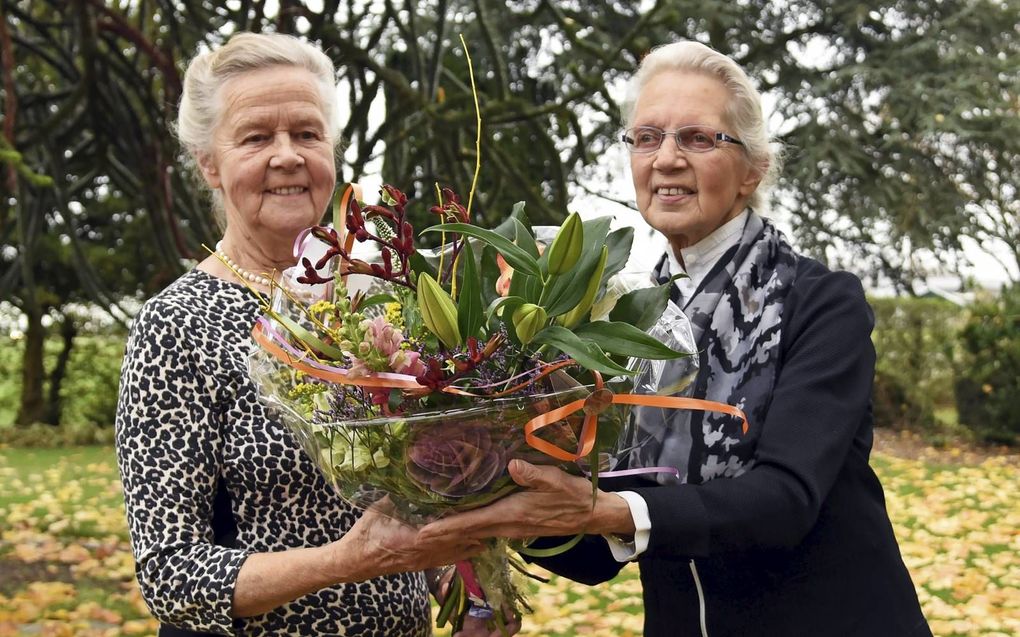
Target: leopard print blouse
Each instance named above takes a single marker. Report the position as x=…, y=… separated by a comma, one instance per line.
x=190, y=426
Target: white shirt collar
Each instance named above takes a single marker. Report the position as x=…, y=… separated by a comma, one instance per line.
x=700, y=257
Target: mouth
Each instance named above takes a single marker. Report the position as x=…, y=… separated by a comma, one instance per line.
x=673, y=191
x=287, y=190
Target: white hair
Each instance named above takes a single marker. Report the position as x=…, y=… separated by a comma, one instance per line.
x=200, y=109
x=743, y=111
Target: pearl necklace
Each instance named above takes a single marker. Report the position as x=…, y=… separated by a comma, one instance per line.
x=239, y=271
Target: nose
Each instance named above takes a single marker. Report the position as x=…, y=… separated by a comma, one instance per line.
x=669, y=156
x=285, y=155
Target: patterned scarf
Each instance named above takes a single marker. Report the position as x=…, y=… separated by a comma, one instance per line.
x=736, y=316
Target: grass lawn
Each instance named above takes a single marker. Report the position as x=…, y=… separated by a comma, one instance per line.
x=66, y=568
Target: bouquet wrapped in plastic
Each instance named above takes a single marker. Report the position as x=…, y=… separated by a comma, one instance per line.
x=420, y=375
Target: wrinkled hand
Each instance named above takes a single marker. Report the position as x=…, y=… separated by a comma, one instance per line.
x=555, y=503
x=379, y=544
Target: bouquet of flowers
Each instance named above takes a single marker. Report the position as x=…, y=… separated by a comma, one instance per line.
x=419, y=375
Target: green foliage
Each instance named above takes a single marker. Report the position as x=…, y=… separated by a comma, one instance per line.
x=988, y=377
x=89, y=390
x=898, y=404
x=900, y=118
x=914, y=341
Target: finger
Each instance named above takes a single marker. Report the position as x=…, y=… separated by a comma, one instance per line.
x=535, y=477
x=523, y=473
x=471, y=524
x=442, y=550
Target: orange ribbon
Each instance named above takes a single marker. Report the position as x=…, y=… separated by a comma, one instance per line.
x=599, y=401
x=336, y=375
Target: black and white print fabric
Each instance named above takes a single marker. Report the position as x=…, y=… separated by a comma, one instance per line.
x=191, y=431
x=736, y=316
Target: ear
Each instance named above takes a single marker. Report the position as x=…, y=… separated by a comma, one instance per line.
x=210, y=172
x=752, y=179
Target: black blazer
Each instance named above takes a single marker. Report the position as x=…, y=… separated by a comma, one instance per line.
x=801, y=544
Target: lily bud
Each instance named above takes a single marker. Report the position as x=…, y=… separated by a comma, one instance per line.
x=566, y=247
x=438, y=311
x=529, y=319
x=574, y=317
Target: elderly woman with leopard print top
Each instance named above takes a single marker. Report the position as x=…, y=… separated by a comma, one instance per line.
x=233, y=529
x=778, y=531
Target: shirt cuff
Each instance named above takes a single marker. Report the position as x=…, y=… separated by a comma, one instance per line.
x=625, y=551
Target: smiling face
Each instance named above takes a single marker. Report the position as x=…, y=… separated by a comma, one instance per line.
x=271, y=158
x=682, y=194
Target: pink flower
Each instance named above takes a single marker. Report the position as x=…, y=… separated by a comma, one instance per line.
x=358, y=368
x=407, y=362
x=384, y=338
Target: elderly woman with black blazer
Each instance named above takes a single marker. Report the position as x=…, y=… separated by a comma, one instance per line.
x=781, y=531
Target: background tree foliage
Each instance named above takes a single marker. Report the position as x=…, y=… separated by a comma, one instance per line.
x=899, y=119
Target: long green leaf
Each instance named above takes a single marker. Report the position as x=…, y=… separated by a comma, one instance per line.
x=308, y=338
x=526, y=286
x=507, y=228
x=642, y=308
x=525, y=239
x=566, y=290
x=488, y=273
x=509, y=303
x=377, y=299
x=470, y=316
x=517, y=257
x=585, y=352
x=625, y=339
x=620, y=243
x=419, y=265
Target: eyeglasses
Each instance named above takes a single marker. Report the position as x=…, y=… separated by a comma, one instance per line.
x=696, y=139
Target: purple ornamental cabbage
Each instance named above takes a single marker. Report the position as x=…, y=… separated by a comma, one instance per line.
x=454, y=458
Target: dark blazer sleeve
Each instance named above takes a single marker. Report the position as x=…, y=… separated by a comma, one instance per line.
x=820, y=403
x=589, y=562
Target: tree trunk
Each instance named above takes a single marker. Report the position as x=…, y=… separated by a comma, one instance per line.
x=54, y=406
x=33, y=408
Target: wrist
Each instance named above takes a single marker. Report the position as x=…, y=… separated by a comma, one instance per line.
x=342, y=564
x=612, y=516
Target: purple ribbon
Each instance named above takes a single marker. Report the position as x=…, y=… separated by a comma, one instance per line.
x=634, y=472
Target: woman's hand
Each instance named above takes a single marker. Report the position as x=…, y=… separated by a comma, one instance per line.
x=379, y=544
x=555, y=503
x=376, y=545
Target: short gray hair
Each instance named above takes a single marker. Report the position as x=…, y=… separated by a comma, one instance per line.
x=199, y=113
x=743, y=112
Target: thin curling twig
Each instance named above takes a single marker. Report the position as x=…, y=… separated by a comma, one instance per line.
x=478, y=122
